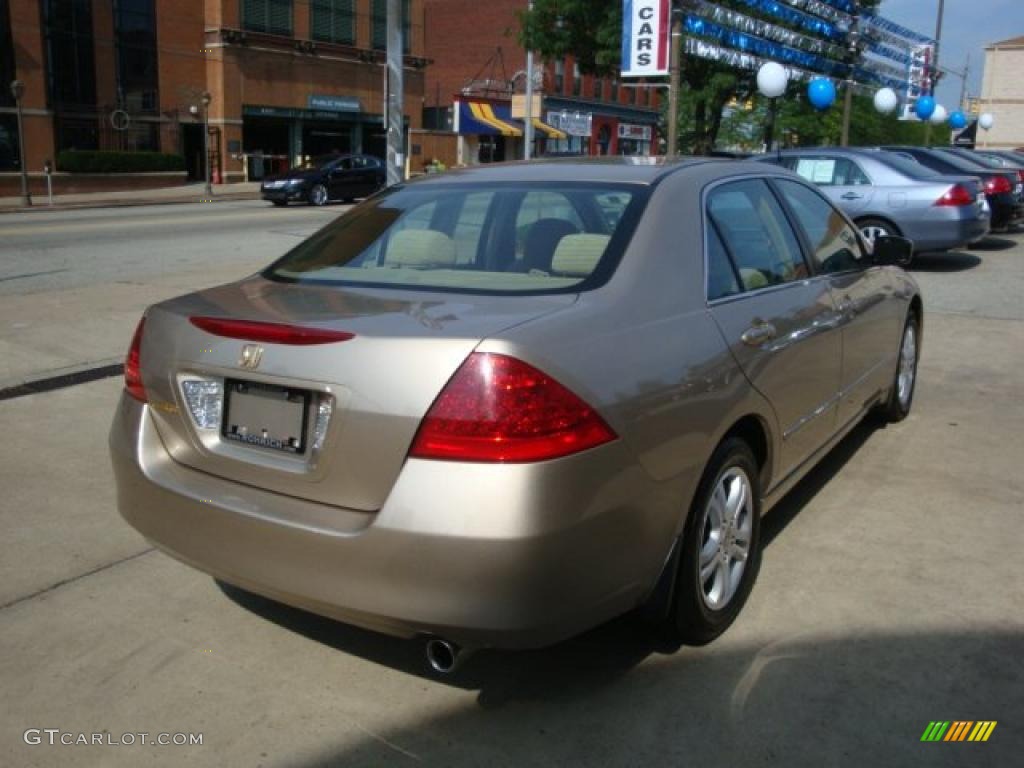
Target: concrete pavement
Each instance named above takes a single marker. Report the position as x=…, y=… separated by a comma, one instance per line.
x=889, y=597
x=73, y=284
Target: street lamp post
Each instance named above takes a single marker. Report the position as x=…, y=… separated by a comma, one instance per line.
x=18, y=90
x=207, y=98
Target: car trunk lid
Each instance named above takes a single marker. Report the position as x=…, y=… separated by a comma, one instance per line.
x=350, y=406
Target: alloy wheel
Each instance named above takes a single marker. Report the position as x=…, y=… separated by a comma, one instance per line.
x=908, y=366
x=726, y=538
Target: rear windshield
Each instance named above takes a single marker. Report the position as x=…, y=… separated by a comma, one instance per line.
x=905, y=164
x=489, y=238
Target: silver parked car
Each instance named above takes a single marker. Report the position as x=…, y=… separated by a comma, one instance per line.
x=499, y=406
x=886, y=194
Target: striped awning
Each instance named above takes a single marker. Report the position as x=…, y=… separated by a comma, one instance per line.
x=483, y=117
x=549, y=131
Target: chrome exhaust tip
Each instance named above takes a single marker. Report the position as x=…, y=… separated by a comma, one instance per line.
x=442, y=656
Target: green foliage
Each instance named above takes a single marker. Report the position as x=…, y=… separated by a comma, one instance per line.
x=799, y=124
x=84, y=161
x=588, y=30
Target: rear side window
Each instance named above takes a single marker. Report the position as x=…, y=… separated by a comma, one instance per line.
x=834, y=244
x=756, y=234
x=831, y=171
x=486, y=237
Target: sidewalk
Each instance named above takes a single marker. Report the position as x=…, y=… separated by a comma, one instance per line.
x=188, y=193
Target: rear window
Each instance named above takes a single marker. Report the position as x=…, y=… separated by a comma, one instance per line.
x=905, y=164
x=491, y=238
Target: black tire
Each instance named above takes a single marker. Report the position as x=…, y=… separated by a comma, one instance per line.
x=279, y=203
x=693, y=620
x=869, y=224
x=897, y=408
x=318, y=195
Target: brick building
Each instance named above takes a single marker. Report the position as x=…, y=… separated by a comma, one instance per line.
x=288, y=78
x=477, y=65
x=1002, y=94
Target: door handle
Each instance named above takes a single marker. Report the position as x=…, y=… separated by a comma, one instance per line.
x=758, y=334
x=852, y=196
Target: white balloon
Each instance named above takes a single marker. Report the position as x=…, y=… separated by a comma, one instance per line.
x=886, y=100
x=772, y=79
x=986, y=120
x=939, y=115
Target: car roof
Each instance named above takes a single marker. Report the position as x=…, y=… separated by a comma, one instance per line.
x=818, y=151
x=609, y=169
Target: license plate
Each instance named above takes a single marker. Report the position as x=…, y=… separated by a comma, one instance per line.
x=266, y=416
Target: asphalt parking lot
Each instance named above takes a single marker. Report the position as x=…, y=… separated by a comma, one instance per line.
x=890, y=596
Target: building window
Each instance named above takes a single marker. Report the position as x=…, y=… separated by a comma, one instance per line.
x=7, y=70
x=379, y=24
x=70, y=53
x=577, y=80
x=137, y=69
x=271, y=16
x=77, y=133
x=559, y=77
x=9, y=156
x=334, y=21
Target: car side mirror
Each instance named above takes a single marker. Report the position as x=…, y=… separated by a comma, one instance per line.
x=889, y=251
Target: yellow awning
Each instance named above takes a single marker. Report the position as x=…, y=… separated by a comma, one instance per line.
x=485, y=114
x=548, y=130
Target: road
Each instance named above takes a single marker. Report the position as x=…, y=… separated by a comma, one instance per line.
x=74, y=283
x=889, y=594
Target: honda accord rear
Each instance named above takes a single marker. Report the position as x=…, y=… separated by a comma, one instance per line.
x=481, y=408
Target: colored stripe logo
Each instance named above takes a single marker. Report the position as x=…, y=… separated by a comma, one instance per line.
x=958, y=730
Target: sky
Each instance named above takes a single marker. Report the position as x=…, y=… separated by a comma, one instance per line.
x=967, y=27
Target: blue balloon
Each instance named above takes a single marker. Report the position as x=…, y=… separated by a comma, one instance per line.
x=821, y=92
x=958, y=121
x=925, y=107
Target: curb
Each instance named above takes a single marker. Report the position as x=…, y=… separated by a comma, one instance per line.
x=131, y=202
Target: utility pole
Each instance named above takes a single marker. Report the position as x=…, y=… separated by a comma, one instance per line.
x=935, y=70
x=673, y=87
x=206, y=99
x=528, y=122
x=18, y=91
x=853, y=53
x=393, y=94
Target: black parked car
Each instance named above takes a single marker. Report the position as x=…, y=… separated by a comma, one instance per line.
x=326, y=178
x=1001, y=185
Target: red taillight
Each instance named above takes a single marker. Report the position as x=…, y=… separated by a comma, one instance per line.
x=272, y=333
x=499, y=409
x=997, y=185
x=132, y=368
x=958, y=194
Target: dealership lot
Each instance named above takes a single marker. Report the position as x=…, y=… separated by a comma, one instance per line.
x=889, y=597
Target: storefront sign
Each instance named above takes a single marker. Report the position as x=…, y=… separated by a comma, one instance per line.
x=637, y=132
x=573, y=123
x=645, y=37
x=334, y=103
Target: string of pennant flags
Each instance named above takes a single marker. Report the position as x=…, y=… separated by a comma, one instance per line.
x=817, y=39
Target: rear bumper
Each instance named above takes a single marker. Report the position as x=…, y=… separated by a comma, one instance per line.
x=526, y=564
x=940, y=235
